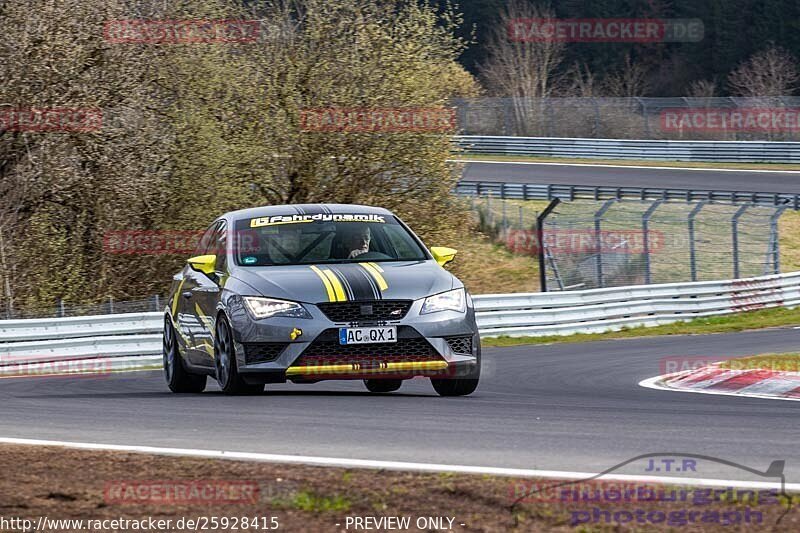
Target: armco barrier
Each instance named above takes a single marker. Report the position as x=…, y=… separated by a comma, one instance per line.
x=79, y=326
x=535, y=314
x=568, y=193
x=708, y=151
x=598, y=310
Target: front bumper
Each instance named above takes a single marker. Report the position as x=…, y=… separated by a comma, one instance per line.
x=290, y=356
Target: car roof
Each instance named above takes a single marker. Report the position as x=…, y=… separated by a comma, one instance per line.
x=309, y=209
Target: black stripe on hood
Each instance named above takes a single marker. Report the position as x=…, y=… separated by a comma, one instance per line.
x=362, y=286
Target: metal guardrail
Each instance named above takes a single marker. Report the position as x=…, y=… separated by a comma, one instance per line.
x=534, y=191
x=34, y=329
x=598, y=310
x=70, y=338
x=659, y=150
x=535, y=314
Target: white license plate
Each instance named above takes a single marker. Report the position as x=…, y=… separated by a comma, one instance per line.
x=367, y=335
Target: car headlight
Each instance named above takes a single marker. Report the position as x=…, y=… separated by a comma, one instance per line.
x=270, y=307
x=447, y=301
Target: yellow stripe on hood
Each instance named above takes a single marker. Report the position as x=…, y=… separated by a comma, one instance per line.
x=328, y=286
x=332, y=284
x=376, y=275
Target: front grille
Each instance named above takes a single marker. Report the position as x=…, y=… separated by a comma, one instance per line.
x=366, y=310
x=461, y=344
x=326, y=350
x=263, y=352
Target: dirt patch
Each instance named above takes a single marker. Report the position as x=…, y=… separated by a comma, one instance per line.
x=61, y=483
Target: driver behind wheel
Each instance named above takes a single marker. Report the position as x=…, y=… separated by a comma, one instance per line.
x=356, y=240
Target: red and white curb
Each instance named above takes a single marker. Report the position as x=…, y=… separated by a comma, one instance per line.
x=711, y=379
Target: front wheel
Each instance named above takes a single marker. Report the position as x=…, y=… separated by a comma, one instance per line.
x=463, y=385
x=228, y=377
x=454, y=387
x=179, y=380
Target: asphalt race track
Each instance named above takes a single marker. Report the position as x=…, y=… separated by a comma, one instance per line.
x=662, y=178
x=572, y=407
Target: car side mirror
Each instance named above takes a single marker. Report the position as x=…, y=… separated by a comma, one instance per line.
x=203, y=263
x=443, y=255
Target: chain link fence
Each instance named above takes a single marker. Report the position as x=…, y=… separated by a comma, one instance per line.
x=613, y=243
x=731, y=119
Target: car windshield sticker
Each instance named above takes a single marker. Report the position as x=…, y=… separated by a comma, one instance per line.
x=250, y=260
x=321, y=217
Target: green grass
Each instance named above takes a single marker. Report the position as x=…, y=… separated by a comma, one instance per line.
x=768, y=318
x=309, y=501
x=628, y=162
x=784, y=362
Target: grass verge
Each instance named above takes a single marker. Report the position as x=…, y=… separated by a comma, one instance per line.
x=60, y=483
x=490, y=268
x=767, y=318
x=628, y=162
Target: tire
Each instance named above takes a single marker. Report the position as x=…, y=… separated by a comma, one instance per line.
x=228, y=377
x=179, y=380
x=383, y=385
x=460, y=386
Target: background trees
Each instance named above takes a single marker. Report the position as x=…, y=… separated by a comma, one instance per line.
x=192, y=130
x=735, y=30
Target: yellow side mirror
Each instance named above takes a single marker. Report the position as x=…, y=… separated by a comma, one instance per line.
x=443, y=255
x=203, y=263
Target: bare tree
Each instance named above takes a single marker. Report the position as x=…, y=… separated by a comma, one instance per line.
x=582, y=81
x=523, y=64
x=702, y=89
x=770, y=72
x=192, y=131
x=630, y=81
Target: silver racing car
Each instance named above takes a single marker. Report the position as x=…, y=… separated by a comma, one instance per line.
x=318, y=292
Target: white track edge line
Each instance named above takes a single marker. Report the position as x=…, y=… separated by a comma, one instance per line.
x=705, y=169
x=391, y=465
x=656, y=384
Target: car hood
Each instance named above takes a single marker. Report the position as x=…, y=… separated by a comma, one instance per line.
x=406, y=280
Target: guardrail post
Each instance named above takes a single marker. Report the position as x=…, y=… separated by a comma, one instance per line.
x=646, y=238
x=774, y=239
x=646, y=117
x=692, y=251
x=598, y=217
x=507, y=117
x=540, y=241
x=735, y=239
x=158, y=303
x=462, y=106
x=111, y=304
x=61, y=310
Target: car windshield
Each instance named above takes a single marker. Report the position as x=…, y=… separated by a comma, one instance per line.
x=293, y=239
